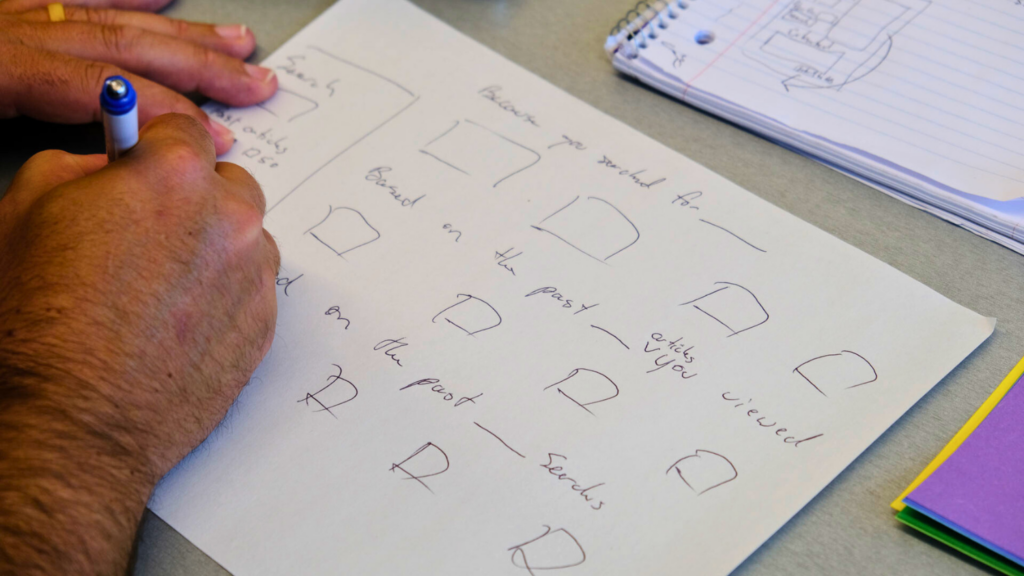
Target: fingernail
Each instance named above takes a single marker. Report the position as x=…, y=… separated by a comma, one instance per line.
x=223, y=132
x=231, y=31
x=263, y=74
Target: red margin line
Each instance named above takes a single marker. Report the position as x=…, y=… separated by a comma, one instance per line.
x=729, y=47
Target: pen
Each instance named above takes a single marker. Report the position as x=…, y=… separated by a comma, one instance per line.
x=120, y=116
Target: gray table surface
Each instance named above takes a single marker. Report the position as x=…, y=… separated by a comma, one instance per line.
x=849, y=527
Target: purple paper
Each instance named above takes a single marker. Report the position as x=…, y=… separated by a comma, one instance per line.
x=979, y=490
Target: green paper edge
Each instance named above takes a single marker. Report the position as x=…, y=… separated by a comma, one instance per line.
x=926, y=525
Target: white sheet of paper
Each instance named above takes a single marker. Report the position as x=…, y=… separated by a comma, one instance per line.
x=921, y=88
x=516, y=336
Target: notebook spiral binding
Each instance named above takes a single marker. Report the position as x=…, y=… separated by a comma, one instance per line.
x=628, y=33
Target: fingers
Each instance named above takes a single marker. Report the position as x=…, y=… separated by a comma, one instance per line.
x=12, y=6
x=233, y=39
x=243, y=183
x=47, y=170
x=174, y=146
x=59, y=88
x=178, y=64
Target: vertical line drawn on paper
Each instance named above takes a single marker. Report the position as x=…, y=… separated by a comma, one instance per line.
x=330, y=397
x=475, y=150
x=830, y=43
x=592, y=226
x=733, y=234
x=498, y=438
x=732, y=306
x=836, y=372
x=552, y=550
x=704, y=470
x=343, y=230
x=617, y=339
x=585, y=387
x=427, y=461
x=471, y=315
x=288, y=105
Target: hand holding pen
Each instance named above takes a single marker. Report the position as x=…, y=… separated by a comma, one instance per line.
x=54, y=59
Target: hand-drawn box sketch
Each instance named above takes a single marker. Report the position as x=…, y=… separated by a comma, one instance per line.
x=732, y=306
x=338, y=391
x=343, y=230
x=552, y=550
x=833, y=373
x=470, y=314
x=317, y=89
x=586, y=387
x=830, y=43
x=427, y=461
x=288, y=105
x=475, y=150
x=704, y=470
x=593, y=226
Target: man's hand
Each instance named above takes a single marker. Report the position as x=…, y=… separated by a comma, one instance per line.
x=136, y=299
x=53, y=71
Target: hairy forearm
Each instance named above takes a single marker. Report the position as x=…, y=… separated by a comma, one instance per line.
x=72, y=487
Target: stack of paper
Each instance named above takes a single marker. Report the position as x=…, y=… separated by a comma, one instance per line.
x=918, y=98
x=973, y=500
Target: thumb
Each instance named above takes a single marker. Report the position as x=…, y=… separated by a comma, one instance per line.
x=47, y=170
x=42, y=173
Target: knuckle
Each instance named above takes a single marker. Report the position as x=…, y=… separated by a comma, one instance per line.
x=119, y=39
x=181, y=27
x=182, y=129
x=242, y=214
x=48, y=160
x=94, y=15
x=208, y=59
x=183, y=156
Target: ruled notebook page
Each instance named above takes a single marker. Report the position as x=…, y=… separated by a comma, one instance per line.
x=934, y=87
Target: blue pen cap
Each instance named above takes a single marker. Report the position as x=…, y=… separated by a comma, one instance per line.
x=118, y=96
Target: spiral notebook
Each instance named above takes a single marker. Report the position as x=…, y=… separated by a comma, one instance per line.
x=922, y=99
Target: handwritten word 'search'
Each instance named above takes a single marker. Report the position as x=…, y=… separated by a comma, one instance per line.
x=555, y=467
x=294, y=69
x=493, y=93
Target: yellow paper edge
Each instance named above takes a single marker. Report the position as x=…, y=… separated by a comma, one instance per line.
x=979, y=415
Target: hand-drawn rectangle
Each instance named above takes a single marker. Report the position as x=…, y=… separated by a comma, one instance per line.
x=317, y=89
x=785, y=48
x=593, y=226
x=288, y=105
x=343, y=230
x=475, y=150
